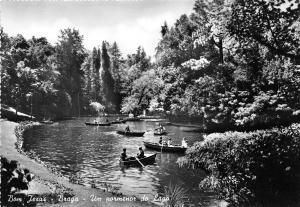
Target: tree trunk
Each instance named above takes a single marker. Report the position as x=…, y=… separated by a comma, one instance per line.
x=142, y=95
x=219, y=45
x=221, y=50
x=78, y=104
x=31, y=108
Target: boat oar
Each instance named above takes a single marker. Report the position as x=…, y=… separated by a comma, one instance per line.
x=139, y=161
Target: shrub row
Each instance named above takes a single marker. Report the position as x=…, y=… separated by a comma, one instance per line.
x=261, y=168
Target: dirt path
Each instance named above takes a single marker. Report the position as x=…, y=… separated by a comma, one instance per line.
x=83, y=195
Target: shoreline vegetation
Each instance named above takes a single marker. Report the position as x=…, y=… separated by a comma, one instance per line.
x=257, y=168
x=49, y=187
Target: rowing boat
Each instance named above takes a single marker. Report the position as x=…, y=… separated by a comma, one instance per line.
x=165, y=148
x=131, y=119
x=117, y=122
x=97, y=124
x=160, y=133
x=148, y=160
x=131, y=133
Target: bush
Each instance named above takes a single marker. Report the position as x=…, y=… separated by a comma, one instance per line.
x=260, y=168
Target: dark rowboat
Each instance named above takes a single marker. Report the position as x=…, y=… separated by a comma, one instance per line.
x=97, y=124
x=132, y=119
x=148, y=160
x=149, y=117
x=131, y=133
x=165, y=148
x=160, y=133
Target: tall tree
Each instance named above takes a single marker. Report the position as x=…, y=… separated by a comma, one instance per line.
x=212, y=17
x=87, y=68
x=143, y=90
x=95, y=75
x=70, y=55
x=116, y=64
x=107, y=79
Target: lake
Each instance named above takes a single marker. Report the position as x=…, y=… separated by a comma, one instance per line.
x=90, y=155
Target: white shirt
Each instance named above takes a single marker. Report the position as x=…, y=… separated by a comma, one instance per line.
x=183, y=143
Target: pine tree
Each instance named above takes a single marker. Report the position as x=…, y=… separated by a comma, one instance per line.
x=86, y=67
x=106, y=78
x=95, y=75
x=70, y=54
x=116, y=61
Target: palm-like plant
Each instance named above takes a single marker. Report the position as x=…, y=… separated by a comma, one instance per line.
x=176, y=195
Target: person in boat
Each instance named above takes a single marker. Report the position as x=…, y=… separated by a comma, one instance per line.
x=124, y=155
x=160, y=128
x=160, y=141
x=141, y=154
x=183, y=143
x=169, y=142
x=127, y=129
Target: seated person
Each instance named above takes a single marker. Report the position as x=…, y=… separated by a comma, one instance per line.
x=124, y=155
x=169, y=142
x=141, y=153
x=127, y=129
x=28, y=175
x=160, y=128
x=160, y=141
x=184, y=143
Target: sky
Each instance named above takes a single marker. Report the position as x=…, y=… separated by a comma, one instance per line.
x=128, y=22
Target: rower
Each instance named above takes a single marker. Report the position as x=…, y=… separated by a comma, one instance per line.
x=123, y=155
x=183, y=143
x=169, y=142
x=160, y=128
x=160, y=141
x=127, y=129
x=141, y=154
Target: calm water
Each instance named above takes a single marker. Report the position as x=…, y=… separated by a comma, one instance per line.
x=89, y=155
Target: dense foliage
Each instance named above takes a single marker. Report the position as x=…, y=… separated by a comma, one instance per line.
x=233, y=64
x=65, y=80
x=260, y=168
x=229, y=64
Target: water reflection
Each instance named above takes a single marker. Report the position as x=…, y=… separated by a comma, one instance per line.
x=90, y=155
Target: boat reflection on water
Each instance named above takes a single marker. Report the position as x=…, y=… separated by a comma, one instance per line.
x=125, y=168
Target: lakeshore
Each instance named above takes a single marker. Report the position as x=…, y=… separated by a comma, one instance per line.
x=47, y=183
